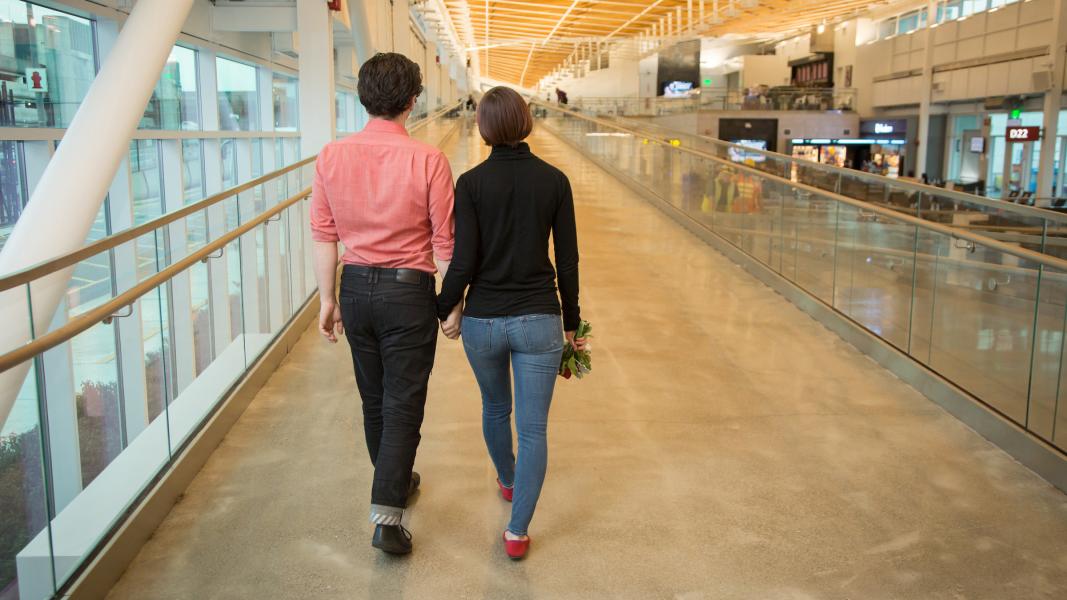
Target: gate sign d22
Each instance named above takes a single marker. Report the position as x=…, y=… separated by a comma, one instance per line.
x=37, y=80
x=1022, y=134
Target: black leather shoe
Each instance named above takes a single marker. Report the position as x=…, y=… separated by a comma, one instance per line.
x=393, y=539
x=413, y=486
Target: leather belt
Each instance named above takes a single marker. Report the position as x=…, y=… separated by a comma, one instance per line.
x=412, y=276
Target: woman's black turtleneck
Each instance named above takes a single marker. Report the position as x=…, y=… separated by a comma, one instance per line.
x=506, y=208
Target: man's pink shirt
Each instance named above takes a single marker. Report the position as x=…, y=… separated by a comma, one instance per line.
x=386, y=197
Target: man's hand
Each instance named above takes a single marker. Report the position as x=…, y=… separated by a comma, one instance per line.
x=579, y=344
x=451, y=326
x=330, y=321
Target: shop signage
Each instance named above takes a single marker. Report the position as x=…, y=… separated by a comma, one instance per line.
x=1022, y=134
x=884, y=128
x=37, y=80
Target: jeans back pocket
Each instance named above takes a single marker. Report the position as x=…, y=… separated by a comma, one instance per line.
x=542, y=333
x=477, y=334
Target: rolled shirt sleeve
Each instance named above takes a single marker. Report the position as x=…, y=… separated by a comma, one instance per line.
x=441, y=206
x=323, y=226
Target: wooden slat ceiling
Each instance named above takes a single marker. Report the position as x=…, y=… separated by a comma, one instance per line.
x=521, y=41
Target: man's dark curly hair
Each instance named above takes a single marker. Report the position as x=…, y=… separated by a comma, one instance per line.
x=387, y=83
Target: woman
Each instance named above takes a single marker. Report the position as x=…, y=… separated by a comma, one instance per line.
x=506, y=208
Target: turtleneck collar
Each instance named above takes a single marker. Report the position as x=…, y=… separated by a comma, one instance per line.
x=505, y=152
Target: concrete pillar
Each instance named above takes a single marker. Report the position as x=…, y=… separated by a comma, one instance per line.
x=318, y=119
x=926, y=89
x=1050, y=120
x=76, y=180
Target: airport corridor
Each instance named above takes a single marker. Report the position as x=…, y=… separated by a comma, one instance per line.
x=725, y=446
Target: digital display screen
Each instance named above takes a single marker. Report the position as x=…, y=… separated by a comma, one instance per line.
x=678, y=89
x=679, y=64
x=740, y=155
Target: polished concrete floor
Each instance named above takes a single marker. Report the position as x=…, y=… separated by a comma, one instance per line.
x=725, y=446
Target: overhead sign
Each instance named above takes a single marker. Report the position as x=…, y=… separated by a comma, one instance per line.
x=1022, y=134
x=37, y=79
x=896, y=128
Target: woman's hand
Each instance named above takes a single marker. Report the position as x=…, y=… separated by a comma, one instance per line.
x=451, y=326
x=579, y=343
x=330, y=321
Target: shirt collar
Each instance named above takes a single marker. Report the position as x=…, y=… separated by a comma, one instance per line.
x=505, y=152
x=385, y=126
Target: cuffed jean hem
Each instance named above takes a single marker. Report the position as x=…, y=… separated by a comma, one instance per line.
x=518, y=533
x=385, y=515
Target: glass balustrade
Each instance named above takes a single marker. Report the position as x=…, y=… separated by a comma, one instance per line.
x=988, y=316
x=1032, y=228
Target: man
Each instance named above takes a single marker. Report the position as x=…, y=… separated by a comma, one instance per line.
x=389, y=200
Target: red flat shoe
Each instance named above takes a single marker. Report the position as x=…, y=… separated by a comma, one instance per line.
x=516, y=549
x=506, y=492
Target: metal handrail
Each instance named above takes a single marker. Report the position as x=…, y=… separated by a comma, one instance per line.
x=930, y=190
x=29, y=274
x=952, y=232
x=90, y=318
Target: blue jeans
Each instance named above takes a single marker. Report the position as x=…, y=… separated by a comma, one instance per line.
x=532, y=345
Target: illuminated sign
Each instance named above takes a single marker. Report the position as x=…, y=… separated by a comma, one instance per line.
x=1022, y=134
x=881, y=128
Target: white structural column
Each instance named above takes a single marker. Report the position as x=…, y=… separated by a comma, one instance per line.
x=211, y=150
x=1049, y=132
x=926, y=85
x=402, y=42
x=180, y=296
x=77, y=178
x=318, y=120
x=361, y=14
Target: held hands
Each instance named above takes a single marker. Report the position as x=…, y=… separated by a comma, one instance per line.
x=579, y=343
x=330, y=321
x=451, y=326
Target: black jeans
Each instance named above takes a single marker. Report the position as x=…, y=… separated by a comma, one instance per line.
x=392, y=331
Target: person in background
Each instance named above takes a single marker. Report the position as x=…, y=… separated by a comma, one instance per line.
x=506, y=209
x=389, y=200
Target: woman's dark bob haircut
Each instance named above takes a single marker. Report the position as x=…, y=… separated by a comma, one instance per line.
x=503, y=117
x=388, y=82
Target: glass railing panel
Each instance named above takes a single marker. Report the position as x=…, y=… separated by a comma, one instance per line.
x=107, y=435
x=1046, y=378
x=981, y=320
x=808, y=231
x=874, y=272
x=25, y=501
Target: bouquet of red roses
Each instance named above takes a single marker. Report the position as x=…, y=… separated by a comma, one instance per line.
x=577, y=362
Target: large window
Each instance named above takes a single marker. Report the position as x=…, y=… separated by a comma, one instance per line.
x=175, y=104
x=238, y=96
x=47, y=62
x=347, y=119
x=12, y=192
x=908, y=22
x=887, y=28
x=286, y=109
